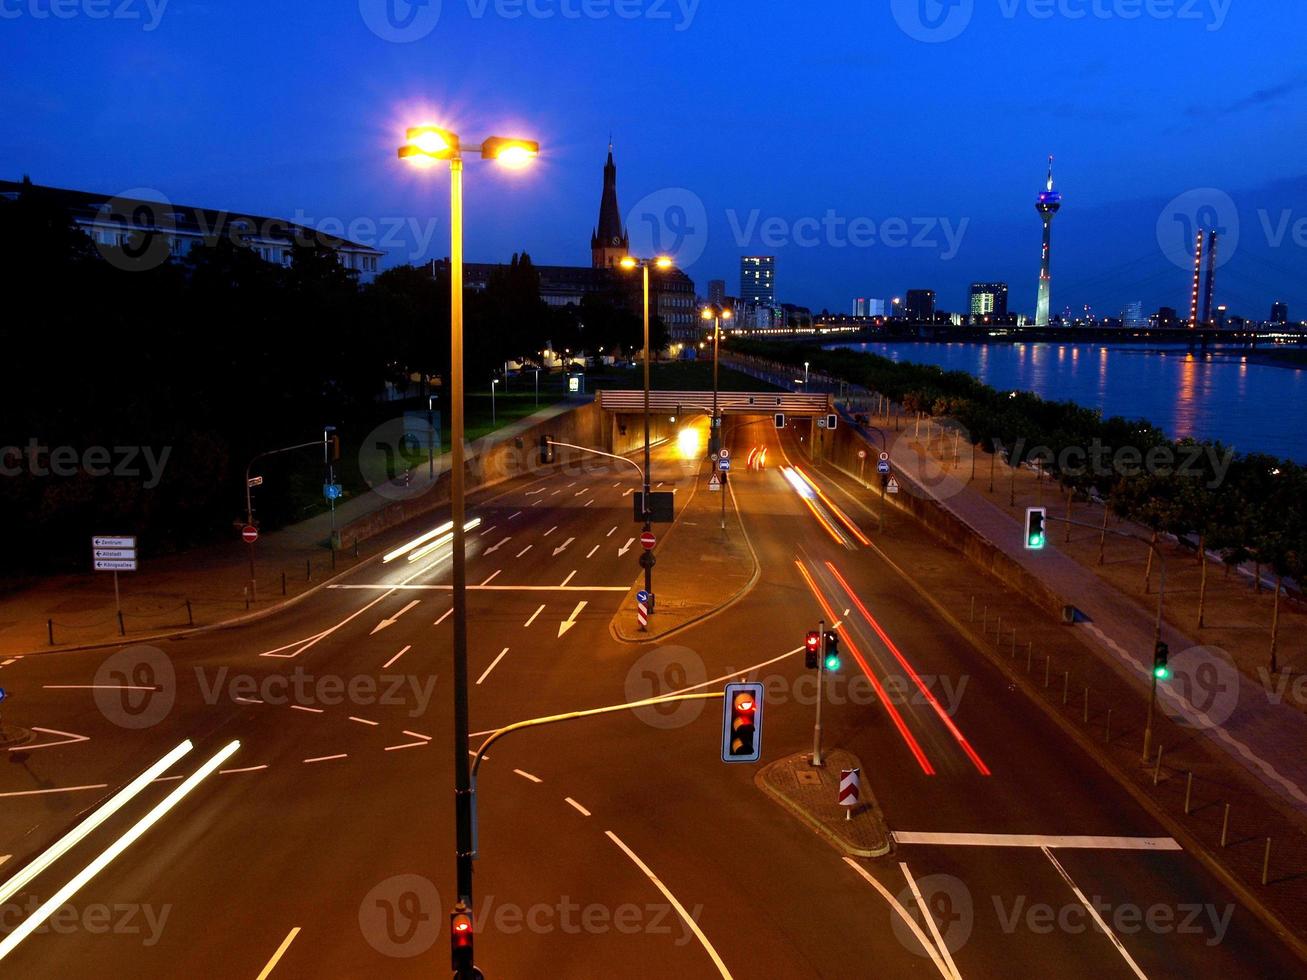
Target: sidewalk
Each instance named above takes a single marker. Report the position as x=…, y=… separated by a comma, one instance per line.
x=207, y=586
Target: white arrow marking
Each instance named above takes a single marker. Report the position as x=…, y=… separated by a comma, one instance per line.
x=626, y=547
x=391, y=621
x=568, y=623
x=563, y=547
x=68, y=739
x=495, y=547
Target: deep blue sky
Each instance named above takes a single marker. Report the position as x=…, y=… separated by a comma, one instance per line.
x=792, y=110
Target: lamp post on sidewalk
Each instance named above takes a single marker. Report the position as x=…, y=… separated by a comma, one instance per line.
x=426, y=146
x=716, y=314
x=660, y=262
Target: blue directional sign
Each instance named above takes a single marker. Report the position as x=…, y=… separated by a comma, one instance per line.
x=642, y=596
x=332, y=491
x=2, y=694
x=882, y=467
x=724, y=464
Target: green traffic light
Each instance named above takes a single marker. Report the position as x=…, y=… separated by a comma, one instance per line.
x=1036, y=541
x=1161, y=672
x=832, y=662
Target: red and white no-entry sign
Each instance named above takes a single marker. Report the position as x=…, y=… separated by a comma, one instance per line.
x=849, y=787
x=249, y=534
x=647, y=540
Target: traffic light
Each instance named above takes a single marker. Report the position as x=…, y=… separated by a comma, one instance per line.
x=1161, y=653
x=780, y=420
x=812, y=647
x=831, y=421
x=460, y=937
x=335, y=449
x=832, y=652
x=742, y=722
x=1035, y=536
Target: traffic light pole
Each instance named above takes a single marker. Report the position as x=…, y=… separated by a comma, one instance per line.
x=821, y=670
x=1157, y=625
x=646, y=558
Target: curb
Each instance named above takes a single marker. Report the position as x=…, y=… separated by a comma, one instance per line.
x=820, y=827
x=615, y=631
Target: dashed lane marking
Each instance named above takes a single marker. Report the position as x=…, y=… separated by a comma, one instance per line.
x=527, y=775
x=577, y=806
x=534, y=615
x=401, y=653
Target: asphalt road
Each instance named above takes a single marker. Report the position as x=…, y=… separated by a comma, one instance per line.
x=617, y=845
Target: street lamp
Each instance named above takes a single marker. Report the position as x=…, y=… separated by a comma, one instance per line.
x=805, y=375
x=660, y=262
x=426, y=146
x=717, y=314
x=494, y=382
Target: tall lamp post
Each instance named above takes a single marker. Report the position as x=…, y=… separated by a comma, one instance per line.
x=660, y=262
x=494, y=383
x=426, y=146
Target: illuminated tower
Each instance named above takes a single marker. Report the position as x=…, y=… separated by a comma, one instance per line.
x=1049, y=203
x=1209, y=286
x=610, y=241
x=1198, y=281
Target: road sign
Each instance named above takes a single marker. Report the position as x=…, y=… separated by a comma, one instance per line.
x=115, y=565
x=724, y=464
x=122, y=554
x=254, y=481
x=249, y=534
x=849, y=787
x=119, y=542
x=884, y=457
x=642, y=608
x=2, y=694
x=882, y=467
x=715, y=484
x=642, y=596
x=892, y=486
x=647, y=540
x=821, y=423
x=725, y=453
x=332, y=491
x=862, y=454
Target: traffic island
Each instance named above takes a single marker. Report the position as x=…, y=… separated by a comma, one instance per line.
x=12, y=736
x=811, y=793
x=702, y=568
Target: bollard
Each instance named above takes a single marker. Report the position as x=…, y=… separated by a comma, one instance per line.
x=122, y=630
x=998, y=629
x=190, y=614
x=984, y=621
x=1048, y=667
x=973, y=609
x=49, y=629
x=1266, y=862
x=1030, y=656
x=356, y=547
x=1086, y=704
x=1066, y=685
x=1188, y=791
x=1108, y=736
x=283, y=583
x=247, y=598
x=1225, y=825
x=1157, y=766
x=308, y=569
x=1014, y=644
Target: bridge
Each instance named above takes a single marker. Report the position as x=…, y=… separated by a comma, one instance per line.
x=728, y=402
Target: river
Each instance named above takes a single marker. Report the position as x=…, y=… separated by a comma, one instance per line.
x=1219, y=394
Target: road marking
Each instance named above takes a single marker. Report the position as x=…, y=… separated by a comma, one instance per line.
x=550, y=531
x=581, y=491
x=589, y=502
x=489, y=529
x=328, y=758
x=610, y=531
x=497, y=588
x=626, y=547
x=563, y=547
x=308, y=639
x=232, y=772
x=281, y=951
x=660, y=483
x=390, y=621
x=492, y=666
x=300, y=707
x=1036, y=840
x=417, y=735
x=68, y=739
x=628, y=493
x=444, y=616
x=1096, y=917
x=492, y=576
x=406, y=745
x=6, y=663
x=929, y=916
x=570, y=621
x=363, y=721
x=577, y=806
x=160, y=809
x=902, y=913
x=511, y=516
x=533, y=616
x=401, y=653
x=556, y=493
x=5, y=857
x=532, y=493
x=60, y=789
x=495, y=547
x=537, y=503
x=246, y=700
x=689, y=920
x=569, y=577
x=99, y=687
x=592, y=551
x=524, y=551
x=527, y=775
x=571, y=485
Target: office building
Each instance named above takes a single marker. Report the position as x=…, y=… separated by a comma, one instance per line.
x=758, y=279
x=989, y=299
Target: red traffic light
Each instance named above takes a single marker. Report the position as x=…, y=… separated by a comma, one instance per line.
x=742, y=722
x=460, y=929
x=814, y=639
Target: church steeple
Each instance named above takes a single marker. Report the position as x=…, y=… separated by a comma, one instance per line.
x=609, y=243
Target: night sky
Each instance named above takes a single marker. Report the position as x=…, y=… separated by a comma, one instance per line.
x=740, y=119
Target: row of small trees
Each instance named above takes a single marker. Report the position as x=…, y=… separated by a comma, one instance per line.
x=1242, y=507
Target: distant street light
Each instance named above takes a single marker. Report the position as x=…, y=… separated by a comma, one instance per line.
x=493, y=383
x=661, y=262
x=425, y=147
